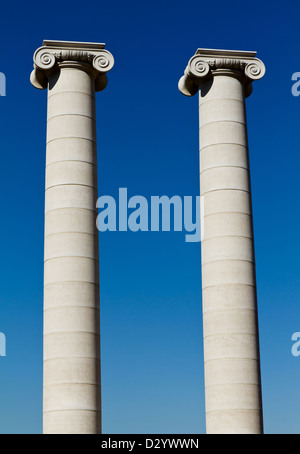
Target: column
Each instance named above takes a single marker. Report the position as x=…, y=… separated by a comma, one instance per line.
x=231, y=345
x=71, y=394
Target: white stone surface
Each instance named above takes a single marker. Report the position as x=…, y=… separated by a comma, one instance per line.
x=72, y=391
x=231, y=347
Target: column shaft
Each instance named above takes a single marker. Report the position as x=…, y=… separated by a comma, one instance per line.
x=72, y=401
x=231, y=351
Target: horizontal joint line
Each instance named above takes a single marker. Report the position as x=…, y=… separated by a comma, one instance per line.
x=231, y=359
x=71, y=332
x=72, y=137
x=70, y=184
x=63, y=358
x=64, y=233
x=70, y=91
x=219, y=311
x=222, y=121
x=70, y=160
x=225, y=189
x=70, y=409
x=232, y=384
x=227, y=212
x=222, y=167
x=228, y=260
x=72, y=257
x=97, y=309
x=220, y=99
x=71, y=115
x=70, y=383
x=230, y=334
x=240, y=410
x=228, y=236
x=71, y=282
x=224, y=143
x=232, y=284
x=72, y=208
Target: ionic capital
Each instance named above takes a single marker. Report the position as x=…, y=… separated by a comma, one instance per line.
x=209, y=62
x=54, y=54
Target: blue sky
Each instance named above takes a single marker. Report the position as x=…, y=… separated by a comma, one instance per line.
x=152, y=352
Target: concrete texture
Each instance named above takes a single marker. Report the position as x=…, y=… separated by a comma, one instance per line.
x=231, y=344
x=72, y=392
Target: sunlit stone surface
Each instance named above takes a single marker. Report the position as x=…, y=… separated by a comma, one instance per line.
x=231, y=345
x=72, y=72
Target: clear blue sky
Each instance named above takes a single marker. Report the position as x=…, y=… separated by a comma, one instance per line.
x=152, y=352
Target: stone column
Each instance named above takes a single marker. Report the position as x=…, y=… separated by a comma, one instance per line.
x=231, y=346
x=72, y=396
